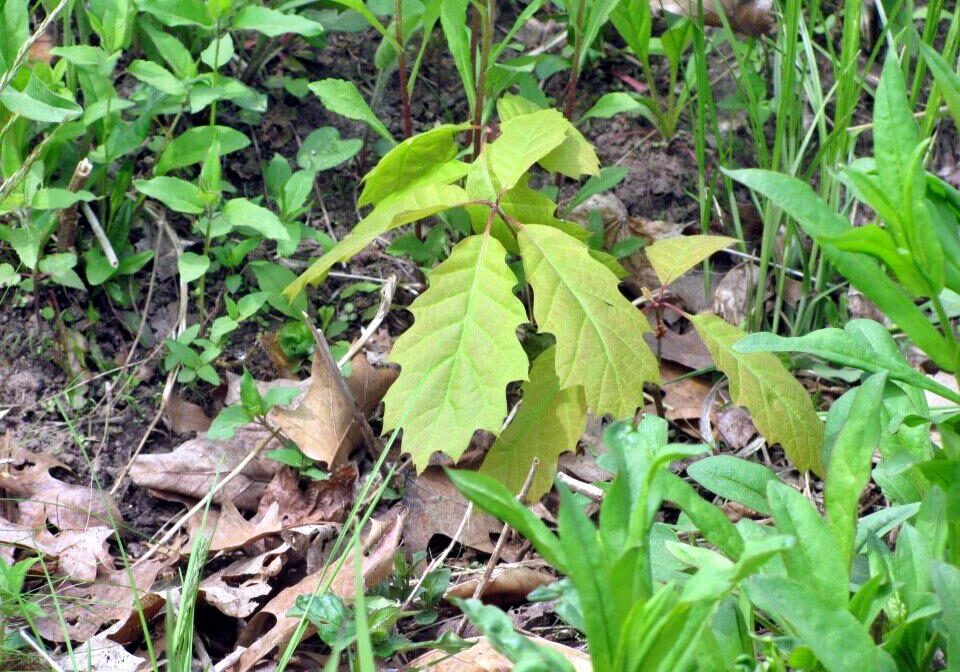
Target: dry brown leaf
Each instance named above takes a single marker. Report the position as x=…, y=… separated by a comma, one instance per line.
x=436, y=507
x=185, y=417
x=42, y=498
x=684, y=398
x=732, y=295
x=86, y=607
x=750, y=17
x=686, y=349
x=376, y=566
x=735, y=426
x=233, y=531
x=482, y=657
x=101, y=654
x=508, y=585
x=192, y=468
x=321, y=501
x=235, y=589
x=322, y=424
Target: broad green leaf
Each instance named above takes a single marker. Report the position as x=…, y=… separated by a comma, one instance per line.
x=157, y=76
x=946, y=77
x=946, y=584
x=600, y=343
x=589, y=572
x=817, y=219
x=550, y=421
x=53, y=198
x=611, y=104
x=85, y=56
x=401, y=208
x=192, y=266
x=218, y=53
x=177, y=12
x=493, y=497
x=894, y=134
x=191, y=146
x=815, y=560
x=342, y=97
x=323, y=149
x=672, y=257
x=712, y=523
x=511, y=105
x=861, y=344
x=361, y=8
x=412, y=159
x=574, y=157
x=456, y=30
x=779, y=405
x=851, y=459
x=241, y=212
x=838, y=640
x=459, y=355
x=523, y=141
x=172, y=51
x=735, y=479
x=226, y=424
x=15, y=22
x=632, y=19
x=39, y=103
x=176, y=194
x=273, y=23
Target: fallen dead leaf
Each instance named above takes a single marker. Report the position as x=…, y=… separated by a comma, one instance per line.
x=508, y=585
x=734, y=291
x=235, y=589
x=686, y=349
x=320, y=502
x=88, y=606
x=185, y=417
x=683, y=399
x=436, y=507
x=42, y=498
x=322, y=423
x=101, y=654
x=735, y=426
x=482, y=657
x=376, y=566
x=192, y=468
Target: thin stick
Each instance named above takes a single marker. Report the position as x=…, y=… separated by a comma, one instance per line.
x=25, y=636
x=591, y=492
x=101, y=235
x=501, y=542
x=205, y=502
x=67, y=229
x=386, y=300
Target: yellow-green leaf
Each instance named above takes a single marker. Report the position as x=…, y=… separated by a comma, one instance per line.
x=411, y=160
x=459, y=355
x=599, y=333
x=574, y=157
x=549, y=422
x=779, y=405
x=523, y=141
x=672, y=257
x=394, y=211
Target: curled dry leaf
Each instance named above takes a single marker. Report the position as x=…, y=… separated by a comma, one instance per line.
x=101, y=654
x=376, y=566
x=731, y=296
x=436, y=507
x=482, y=657
x=750, y=17
x=235, y=589
x=735, y=426
x=192, y=468
x=88, y=606
x=508, y=585
x=320, y=502
x=686, y=349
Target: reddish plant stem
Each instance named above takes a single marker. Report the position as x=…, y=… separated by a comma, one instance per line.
x=571, y=90
x=402, y=68
x=486, y=40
